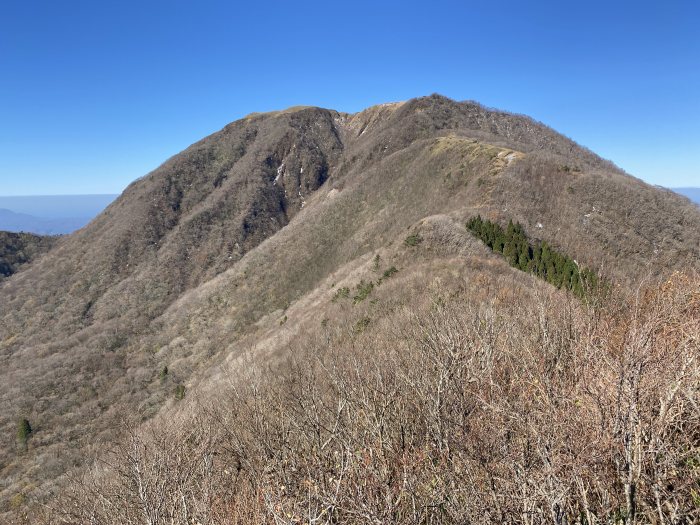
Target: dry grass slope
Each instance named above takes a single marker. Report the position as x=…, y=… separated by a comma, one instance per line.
x=522, y=408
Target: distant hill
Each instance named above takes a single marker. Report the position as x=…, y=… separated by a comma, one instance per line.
x=50, y=214
x=692, y=193
x=21, y=222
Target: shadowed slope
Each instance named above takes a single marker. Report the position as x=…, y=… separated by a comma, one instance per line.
x=18, y=249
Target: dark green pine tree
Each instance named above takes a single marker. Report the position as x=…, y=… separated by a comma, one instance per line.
x=24, y=430
x=540, y=259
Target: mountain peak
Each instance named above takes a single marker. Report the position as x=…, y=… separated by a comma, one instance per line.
x=260, y=232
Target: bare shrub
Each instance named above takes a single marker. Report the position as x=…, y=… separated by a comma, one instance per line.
x=452, y=412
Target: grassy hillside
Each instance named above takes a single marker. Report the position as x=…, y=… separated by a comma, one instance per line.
x=241, y=247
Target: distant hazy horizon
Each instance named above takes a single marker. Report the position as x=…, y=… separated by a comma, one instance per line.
x=693, y=193
x=50, y=214
x=58, y=206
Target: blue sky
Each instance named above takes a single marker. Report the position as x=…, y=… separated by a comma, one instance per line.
x=96, y=94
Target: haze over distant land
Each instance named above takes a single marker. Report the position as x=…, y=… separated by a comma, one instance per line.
x=11, y=221
x=692, y=193
x=50, y=214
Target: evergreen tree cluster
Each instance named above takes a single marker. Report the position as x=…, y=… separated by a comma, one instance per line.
x=538, y=258
x=24, y=430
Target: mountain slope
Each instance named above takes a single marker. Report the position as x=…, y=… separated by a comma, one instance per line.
x=18, y=249
x=262, y=222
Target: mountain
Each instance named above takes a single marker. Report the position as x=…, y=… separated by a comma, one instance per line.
x=307, y=230
x=692, y=193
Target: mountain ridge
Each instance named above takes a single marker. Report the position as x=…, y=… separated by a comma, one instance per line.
x=244, y=238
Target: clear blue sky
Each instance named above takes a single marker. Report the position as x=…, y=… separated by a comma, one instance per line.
x=95, y=94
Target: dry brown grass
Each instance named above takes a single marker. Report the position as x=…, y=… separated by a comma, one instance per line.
x=454, y=411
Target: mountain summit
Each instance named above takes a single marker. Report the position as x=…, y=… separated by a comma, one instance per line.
x=238, y=246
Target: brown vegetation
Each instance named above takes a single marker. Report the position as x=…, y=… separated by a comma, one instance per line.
x=452, y=412
x=241, y=242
